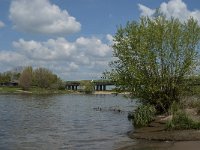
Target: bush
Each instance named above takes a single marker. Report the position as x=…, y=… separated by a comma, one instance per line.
x=87, y=87
x=44, y=78
x=58, y=85
x=174, y=108
x=153, y=64
x=143, y=115
x=181, y=121
x=26, y=77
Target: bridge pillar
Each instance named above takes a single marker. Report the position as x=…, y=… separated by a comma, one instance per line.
x=101, y=87
x=104, y=87
x=97, y=87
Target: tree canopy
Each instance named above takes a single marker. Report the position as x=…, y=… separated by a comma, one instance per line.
x=26, y=78
x=39, y=77
x=153, y=57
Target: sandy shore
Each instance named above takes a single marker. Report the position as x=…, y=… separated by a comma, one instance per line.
x=110, y=92
x=165, y=145
x=156, y=137
x=104, y=92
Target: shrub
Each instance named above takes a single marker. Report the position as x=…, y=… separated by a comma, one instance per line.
x=174, y=108
x=181, y=120
x=44, y=78
x=26, y=77
x=87, y=87
x=143, y=115
x=153, y=64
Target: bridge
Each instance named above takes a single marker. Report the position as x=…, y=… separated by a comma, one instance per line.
x=99, y=85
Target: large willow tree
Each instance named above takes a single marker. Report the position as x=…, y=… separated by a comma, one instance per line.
x=153, y=57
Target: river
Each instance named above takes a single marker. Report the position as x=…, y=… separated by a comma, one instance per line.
x=64, y=122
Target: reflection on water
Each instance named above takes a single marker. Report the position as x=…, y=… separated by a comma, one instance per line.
x=63, y=122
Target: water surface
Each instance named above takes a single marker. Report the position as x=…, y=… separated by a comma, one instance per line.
x=64, y=122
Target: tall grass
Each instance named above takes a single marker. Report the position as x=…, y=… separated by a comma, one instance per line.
x=143, y=115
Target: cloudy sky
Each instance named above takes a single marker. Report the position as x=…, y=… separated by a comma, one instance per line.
x=73, y=38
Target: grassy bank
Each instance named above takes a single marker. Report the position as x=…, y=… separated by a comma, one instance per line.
x=9, y=89
x=33, y=90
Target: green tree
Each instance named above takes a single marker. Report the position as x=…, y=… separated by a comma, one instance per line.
x=5, y=77
x=87, y=86
x=26, y=77
x=153, y=57
x=44, y=78
x=58, y=85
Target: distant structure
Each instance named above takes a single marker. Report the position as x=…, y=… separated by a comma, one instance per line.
x=11, y=83
x=100, y=85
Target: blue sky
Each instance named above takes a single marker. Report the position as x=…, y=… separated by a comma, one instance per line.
x=73, y=37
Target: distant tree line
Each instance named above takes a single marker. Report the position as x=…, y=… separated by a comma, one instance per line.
x=29, y=77
x=40, y=77
x=9, y=76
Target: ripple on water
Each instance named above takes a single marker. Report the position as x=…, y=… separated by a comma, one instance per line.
x=63, y=122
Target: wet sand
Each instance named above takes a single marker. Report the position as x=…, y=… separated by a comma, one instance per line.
x=186, y=145
x=155, y=137
x=104, y=92
x=156, y=145
x=111, y=92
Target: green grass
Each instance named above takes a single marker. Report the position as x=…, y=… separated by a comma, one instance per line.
x=33, y=90
x=9, y=89
x=36, y=90
x=192, y=90
x=181, y=121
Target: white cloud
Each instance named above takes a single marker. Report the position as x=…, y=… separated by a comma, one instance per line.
x=58, y=49
x=174, y=8
x=1, y=24
x=109, y=37
x=92, y=46
x=40, y=16
x=11, y=59
x=145, y=11
x=81, y=57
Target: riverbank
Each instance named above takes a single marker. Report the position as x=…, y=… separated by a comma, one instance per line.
x=17, y=90
x=35, y=90
x=165, y=145
x=156, y=131
x=157, y=136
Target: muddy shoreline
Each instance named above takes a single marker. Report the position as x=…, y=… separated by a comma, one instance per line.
x=156, y=131
x=164, y=145
x=156, y=137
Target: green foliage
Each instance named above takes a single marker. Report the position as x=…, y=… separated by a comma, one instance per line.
x=181, y=120
x=175, y=107
x=143, y=115
x=41, y=78
x=9, y=89
x=43, y=91
x=193, y=86
x=153, y=57
x=59, y=85
x=87, y=87
x=44, y=78
x=192, y=102
x=26, y=77
x=5, y=77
